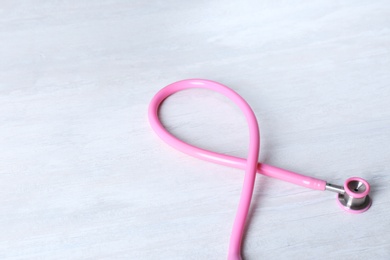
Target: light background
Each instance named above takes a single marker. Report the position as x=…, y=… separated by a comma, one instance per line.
x=82, y=175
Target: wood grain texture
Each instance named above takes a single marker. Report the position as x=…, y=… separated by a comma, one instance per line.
x=82, y=175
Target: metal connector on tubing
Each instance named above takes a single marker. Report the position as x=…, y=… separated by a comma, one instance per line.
x=335, y=188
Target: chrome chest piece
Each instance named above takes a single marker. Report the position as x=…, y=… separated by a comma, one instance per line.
x=353, y=196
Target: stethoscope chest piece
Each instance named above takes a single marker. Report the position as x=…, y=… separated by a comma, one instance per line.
x=355, y=198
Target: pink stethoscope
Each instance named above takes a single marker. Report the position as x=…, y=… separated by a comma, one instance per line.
x=353, y=196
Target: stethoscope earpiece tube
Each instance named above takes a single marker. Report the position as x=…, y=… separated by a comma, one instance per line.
x=353, y=196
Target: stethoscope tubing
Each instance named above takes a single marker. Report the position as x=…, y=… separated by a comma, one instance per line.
x=250, y=165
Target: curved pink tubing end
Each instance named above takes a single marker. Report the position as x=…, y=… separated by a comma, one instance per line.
x=250, y=164
x=292, y=177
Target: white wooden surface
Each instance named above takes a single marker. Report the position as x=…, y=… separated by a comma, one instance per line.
x=82, y=176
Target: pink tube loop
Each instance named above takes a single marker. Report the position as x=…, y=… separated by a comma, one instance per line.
x=250, y=164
